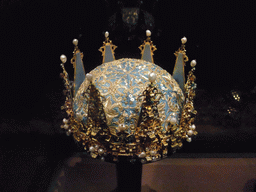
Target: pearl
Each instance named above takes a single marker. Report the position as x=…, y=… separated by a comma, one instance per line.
x=63, y=58
x=91, y=149
x=189, y=139
x=183, y=40
x=152, y=153
x=96, y=146
x=193, y=63
x=65, y=121
x=75, y=42
x=102, y=158
x=89, y=77
x=190, y=133
x=142, y=155
x=65, y=126
x=148, y=33
x=100, y=151
x=106, y=34
x=121, y=127
x=193, y=127
x=173, y=120
x=152, y=77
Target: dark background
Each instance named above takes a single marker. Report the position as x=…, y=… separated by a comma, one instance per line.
x=34, y=34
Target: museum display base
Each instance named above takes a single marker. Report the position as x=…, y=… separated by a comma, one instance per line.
x=196, y=173
x=128, y=176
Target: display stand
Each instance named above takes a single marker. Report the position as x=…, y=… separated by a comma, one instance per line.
x=128, y=175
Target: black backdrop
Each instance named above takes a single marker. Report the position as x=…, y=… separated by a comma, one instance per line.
x=35, y=33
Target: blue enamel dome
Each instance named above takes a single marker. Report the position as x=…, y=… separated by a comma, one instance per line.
x=120, y=83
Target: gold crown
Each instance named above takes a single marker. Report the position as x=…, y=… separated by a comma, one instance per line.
x=130, y=107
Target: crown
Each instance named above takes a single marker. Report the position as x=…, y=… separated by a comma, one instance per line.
x=130, y=107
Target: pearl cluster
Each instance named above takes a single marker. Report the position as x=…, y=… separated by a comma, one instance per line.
x=66, y=126
x=148, y=152
x=96, y=149
x=190, y=132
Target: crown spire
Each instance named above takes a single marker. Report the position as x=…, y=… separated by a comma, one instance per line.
x=107, y=49
x=181, y=58
x=79, y=73
x=147, y=48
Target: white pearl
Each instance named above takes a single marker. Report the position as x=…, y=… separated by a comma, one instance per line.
x=96, y=146
x=190, y=133
x=100, y=151
x=65, y=121
x=173, y=120
x=89, y=77
x=148, y=33
x=65, y=126
x=193, y=63
x=152, y=153
x=152, y=77
x=183, y=40
x=189, y=139
x=92, y=149
x=193, y=127
x=102, y=158
x=75, y=42
x=63, y=58
x=142, y=155
x=106, y=34
x=121, y=127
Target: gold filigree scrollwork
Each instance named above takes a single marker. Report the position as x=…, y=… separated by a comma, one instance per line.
x=149, y=134
x=187, y=128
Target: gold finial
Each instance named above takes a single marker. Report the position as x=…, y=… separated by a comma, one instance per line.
x=147, y=48
x=182, y=49
x=107, y=49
